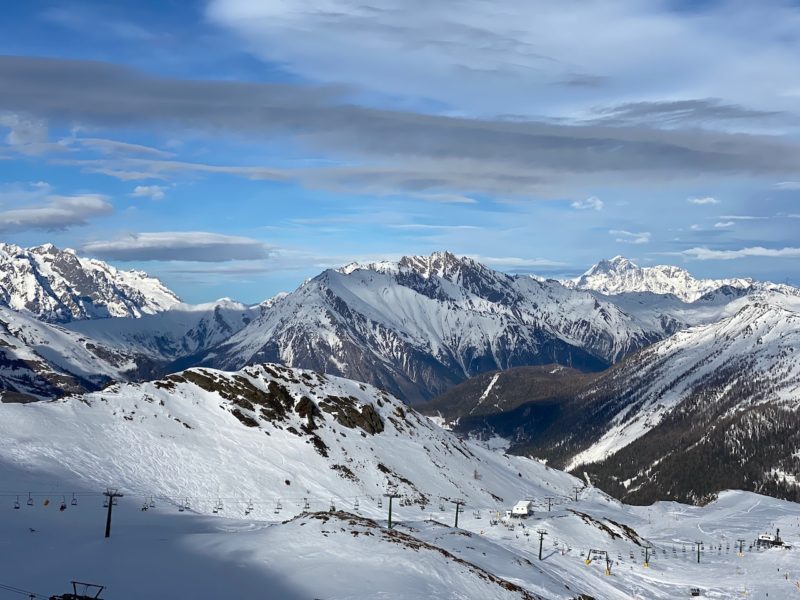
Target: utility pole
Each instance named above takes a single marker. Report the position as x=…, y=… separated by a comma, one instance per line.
x=390, y=496
x=577, y=490
x=549, y=502
x=111, y=494
x=698, y=544
x=541, y=533
x=459, y=504
x=741, y=546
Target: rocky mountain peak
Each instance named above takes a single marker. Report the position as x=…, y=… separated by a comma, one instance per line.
x=57, y=285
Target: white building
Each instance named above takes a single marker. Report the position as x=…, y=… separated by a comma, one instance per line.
x=523, y=508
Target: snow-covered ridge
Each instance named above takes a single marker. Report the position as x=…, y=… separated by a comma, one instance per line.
x=620, y=275
x=420, y=325
x=266, y=431
x=59, y=286
x=747, y=358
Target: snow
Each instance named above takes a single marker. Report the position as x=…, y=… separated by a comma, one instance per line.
x=620, y=275
x=59, y=286
x=764, y=330
x=486, y=392
x=81, y=445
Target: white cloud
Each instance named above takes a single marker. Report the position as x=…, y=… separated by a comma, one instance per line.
x=695, y=227
x=58, y=212
x=630, y=237
x=788, y=185
x=424, y=227
x=723, y=224
x=591, y=203
x=742, y=218
x=199, y=246
x=754, y=251
x=703, y=200
x=154, y=192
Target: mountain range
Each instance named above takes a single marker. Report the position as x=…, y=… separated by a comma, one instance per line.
x=632, y=375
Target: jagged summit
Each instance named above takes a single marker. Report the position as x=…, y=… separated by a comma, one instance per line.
x=442, y=264
x=59, y=286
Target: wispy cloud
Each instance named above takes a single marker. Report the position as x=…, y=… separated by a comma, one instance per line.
x=386, y=151
x=196, y=246
x=55, y=213
x=723, y=224
x=154, y=192
x=630, y=237
x=754, y=251
x=590, y=203
x=703, y=200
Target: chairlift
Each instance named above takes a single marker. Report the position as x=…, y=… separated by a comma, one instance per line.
x=152, y=502
x=30, y=500
x=333, y=506
x=74, y=501
x=180, y=507
x=114, y=500
x=63, y=506
x=278, y=507
x=249, y=508
x=380, y=502
x=355, y=504
x=16, y=503
x=105, y=502
x=306, y=505
x=145, y=506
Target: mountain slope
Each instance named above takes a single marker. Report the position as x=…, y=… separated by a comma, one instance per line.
x=177, y=333
x=722, y=399
x=620, y=275
x=266, y=431
x=423, y=324
x=41, y=360
x=58, y=286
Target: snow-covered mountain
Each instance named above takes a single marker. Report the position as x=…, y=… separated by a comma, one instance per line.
x=721, y=398
x=266, y=430
x=59, y=286
x=176, y=334
x=420, y=325
x=620, y=275
x=41, y=360
x=272, y=479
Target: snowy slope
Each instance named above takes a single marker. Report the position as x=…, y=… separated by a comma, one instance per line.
x=266, y=432
x=620, y=275
x=418, y=326
x=209, y=455
x=178, y=332
x=43, y=360
x=722, y=397
x=59, y=286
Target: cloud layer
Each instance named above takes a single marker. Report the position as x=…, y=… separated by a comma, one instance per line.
x=199, y=246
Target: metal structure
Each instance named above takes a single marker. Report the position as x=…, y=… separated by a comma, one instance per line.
x=91, y=591
x=541, y=533
x=111, y=495
x=391, y=497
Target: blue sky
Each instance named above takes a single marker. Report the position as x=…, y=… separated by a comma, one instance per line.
x=236, y=147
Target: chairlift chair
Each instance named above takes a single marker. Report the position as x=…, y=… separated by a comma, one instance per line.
x=16, y=503
x=74, y=501
x=152, y=502
x=63, y=506
x=355, y=504
x=30, y=500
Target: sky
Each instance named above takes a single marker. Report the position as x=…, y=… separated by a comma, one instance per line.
x=234, y=148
